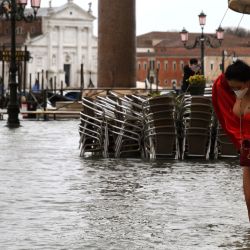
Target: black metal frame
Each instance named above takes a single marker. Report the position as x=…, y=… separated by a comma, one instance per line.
x=12, y=11
x=202, y=41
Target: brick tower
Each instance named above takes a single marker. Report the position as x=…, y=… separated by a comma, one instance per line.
x=116, y=43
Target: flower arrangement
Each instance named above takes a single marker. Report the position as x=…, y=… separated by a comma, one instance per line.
x=197, y=79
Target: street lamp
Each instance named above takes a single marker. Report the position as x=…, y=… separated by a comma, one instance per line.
x=202, y=39
x=13, y=10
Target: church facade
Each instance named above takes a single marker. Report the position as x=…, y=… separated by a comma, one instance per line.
x=62, y=46
x=66, y=46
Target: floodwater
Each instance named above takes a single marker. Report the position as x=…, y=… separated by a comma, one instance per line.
x=50, y=198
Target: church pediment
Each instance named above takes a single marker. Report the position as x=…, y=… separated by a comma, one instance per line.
x=72, y=11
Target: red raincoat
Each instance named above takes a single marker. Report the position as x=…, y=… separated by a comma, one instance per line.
x=223, y=99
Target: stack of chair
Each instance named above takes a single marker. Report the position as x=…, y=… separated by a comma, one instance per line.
x=92, y=129
x=160, y=136
x=197, y=121
x=223, y=145
x=125, y=126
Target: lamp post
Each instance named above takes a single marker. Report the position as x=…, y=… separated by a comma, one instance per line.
x=203, y=39
x=13, y=10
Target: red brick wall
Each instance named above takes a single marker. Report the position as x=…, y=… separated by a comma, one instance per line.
x=22, y=29
x=173, y=71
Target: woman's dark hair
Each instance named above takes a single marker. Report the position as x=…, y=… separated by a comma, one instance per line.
x=239, y=71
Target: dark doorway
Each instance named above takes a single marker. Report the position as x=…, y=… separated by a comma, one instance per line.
x=67, y=74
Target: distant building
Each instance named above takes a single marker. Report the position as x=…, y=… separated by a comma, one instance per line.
x=162, y=56
x=59, y=41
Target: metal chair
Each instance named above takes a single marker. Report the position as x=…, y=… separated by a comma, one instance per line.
x=92, y=129
x=160, y=135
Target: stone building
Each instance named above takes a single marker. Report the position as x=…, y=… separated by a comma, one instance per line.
x=59, y=42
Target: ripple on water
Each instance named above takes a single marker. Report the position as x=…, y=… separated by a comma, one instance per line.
x=50, y=198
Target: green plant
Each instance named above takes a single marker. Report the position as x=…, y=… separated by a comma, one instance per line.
x=154, y=94
x=197, y=79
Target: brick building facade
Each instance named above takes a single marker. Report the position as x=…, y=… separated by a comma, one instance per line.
x=22, y=30
x=162, y=56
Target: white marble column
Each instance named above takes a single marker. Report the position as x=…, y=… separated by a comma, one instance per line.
x=60, y=60
x=79, y=56
x=89, y=44
x=50, y=46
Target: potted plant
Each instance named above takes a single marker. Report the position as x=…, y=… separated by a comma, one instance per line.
x=197, y=84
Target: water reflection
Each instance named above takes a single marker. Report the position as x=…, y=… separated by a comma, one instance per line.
x=50, y=198
x=245, y=241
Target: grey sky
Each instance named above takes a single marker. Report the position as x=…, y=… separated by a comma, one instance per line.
x=173, y=15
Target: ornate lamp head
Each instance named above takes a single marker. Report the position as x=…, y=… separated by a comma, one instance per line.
x=220, y=34
x=202, y=19
x=184, y=35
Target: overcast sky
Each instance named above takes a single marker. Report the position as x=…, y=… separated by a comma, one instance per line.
x=173, y=15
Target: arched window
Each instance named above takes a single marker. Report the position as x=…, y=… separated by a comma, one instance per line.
x=174, y=66
x=158, y=64
x=139, y=66
x=212, y=66
x=181, y=65
x=165, y=65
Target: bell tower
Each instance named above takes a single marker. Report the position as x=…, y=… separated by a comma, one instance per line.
x=116, y=43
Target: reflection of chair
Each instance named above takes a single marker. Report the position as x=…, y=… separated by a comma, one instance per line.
x=223, y=145
x=160, y=136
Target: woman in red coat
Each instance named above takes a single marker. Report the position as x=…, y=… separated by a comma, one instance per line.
x=231, y=101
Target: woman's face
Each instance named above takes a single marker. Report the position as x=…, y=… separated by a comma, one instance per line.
x=238, y=85
x=240, y=88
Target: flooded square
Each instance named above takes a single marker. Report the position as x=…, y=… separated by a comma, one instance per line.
x=51, y=198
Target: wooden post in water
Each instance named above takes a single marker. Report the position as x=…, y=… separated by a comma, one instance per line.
x=55, y=84
x=42, y=86
x=30, y=87
x=42, y=81
x=82, y=79
x=45, y=117
x=38, y=76
x=51, y=83
x=25, y=72
x=2, y=90
x=61, y=91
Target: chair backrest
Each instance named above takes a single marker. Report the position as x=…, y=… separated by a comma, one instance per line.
x=198, y=122
x=162, y=122
x=199, y=115
x=198, y=99
x=88, y=106
x=198, y=107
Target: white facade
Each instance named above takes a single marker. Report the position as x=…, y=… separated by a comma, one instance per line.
x=66, y=43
